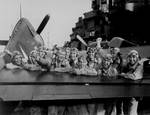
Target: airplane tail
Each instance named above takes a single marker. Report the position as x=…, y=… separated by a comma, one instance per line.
x=24, y=35
x=24, y=38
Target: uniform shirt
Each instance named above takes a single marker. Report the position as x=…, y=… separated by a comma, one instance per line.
x=85, y=71
x=73, y=63
x=133, y=72
x=118, y=63
x=110, y=73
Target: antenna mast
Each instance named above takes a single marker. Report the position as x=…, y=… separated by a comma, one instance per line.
x=20, y=10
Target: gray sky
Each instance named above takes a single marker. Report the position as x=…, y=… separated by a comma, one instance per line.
x=63, y=16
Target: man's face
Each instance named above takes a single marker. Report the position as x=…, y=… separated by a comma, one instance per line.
x=99, y=60
x=42, y=54
x=82, y=62
x=113, y=52
x=91, y=55
x=118, y=61
x=106, y=64
x=61, y=57
x=34, y=54
x=18, y=59
x=67, y=52
x=132, y=59
x=73, y=55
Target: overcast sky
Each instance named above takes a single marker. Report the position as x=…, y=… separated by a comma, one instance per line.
x=63, y=16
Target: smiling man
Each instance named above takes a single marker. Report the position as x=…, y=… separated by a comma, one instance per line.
x=133, y=71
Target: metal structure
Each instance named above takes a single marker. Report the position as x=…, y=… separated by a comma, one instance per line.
x=127, y=19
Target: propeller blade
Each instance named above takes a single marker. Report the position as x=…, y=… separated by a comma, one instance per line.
x=81, y=40
x=43, y=24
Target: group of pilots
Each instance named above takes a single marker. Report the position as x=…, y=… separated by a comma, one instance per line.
x=93, y=62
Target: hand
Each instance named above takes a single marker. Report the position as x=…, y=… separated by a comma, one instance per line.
x=122, y=75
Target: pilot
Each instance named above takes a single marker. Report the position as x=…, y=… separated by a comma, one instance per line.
x=107, y=70
x=73, y=57
x=91, y=60
x=81, y=66
x=60, y=58
x=62, y=64
x=17, y=59
x=55, y=51
x=114, y=51
x=32, y=57
x=5, y=58
x=134, y=71
x=42, y=52
x=117, y=58
x=118, y=64
x=67, y=52
x=42, y=60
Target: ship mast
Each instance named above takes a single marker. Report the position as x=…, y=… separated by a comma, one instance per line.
x=20, y=10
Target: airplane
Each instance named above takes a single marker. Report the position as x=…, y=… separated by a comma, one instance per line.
x=24, y=38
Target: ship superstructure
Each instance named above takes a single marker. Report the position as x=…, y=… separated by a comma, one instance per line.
x=127, y=19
